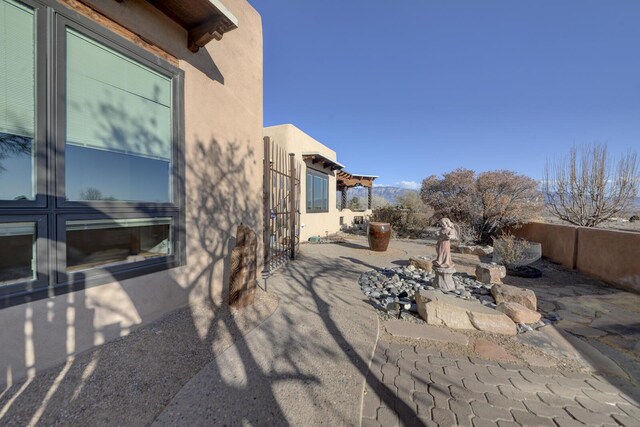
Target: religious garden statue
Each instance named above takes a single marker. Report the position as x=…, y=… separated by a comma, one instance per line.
x=443, y=264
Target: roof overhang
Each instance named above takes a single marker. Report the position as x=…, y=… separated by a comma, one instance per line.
x=347, y=180
x=204, y=20
x=317, y=158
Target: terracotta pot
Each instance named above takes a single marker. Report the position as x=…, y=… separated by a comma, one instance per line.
x=379, y=235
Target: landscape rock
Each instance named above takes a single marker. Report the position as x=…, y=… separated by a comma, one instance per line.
x=493, y=322
x=490, y=273
x=518, y=313
x=393, y=292
x=425, y=264
x=439, y=309
x=475, y=250
x=508, y=293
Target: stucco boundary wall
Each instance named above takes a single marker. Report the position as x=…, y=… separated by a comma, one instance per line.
x=609, y=255
x=559, y=242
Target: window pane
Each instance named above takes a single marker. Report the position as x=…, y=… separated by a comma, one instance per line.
x=92, y=243
x=17, y=101
x=317, y=192
x=309, y=191
x=325, y=194
x=119, y=136
x=17, y=252
x=107, y=175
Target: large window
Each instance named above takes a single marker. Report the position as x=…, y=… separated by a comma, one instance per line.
x=118, y=144
x=90, y=156
x=317, y=192
x=17, y=101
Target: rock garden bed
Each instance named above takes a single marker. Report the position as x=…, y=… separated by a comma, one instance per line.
x=393, y=291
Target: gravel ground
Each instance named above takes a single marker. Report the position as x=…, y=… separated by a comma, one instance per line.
x=130, y=380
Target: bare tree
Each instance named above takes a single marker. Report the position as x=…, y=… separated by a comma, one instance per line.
x=13, y=146
x=91, y=193
x=587, y=187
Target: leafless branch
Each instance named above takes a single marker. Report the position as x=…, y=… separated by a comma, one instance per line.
x=587, y=188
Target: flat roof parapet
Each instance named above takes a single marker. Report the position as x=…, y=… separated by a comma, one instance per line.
x=319, y=158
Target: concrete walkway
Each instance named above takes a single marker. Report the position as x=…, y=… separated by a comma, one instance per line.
x=307, y=363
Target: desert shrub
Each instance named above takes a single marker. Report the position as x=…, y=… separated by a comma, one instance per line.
x=454, y=196
x=378, y=201
x=405, y=222
x=489, y=203
x=390, y=214
x=419, y=220
x=510, y=250
x=508, y=199
x=469, y=234
x=417, y=214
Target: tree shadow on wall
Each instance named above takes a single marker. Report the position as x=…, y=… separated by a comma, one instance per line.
x=108, y=384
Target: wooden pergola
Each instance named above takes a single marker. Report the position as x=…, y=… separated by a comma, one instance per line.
x=346, y=180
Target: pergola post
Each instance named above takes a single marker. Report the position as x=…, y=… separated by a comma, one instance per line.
x=369, y=194
x=344, y=199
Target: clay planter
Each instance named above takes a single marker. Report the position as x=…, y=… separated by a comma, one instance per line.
x=379, y=235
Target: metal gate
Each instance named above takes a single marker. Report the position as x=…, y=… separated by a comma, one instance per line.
x=281, y=206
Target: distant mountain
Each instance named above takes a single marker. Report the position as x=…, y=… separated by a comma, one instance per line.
x=387, y=193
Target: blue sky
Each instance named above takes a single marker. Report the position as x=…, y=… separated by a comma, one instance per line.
x=408, y=88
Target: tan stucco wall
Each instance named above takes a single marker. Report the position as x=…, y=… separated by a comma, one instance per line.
x=294, y=140
x=609, y=255
x=223, y=151
x=558, y=241
x=349, y=215
x=612, y=256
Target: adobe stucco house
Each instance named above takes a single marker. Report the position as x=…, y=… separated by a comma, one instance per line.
x=130, y=150
x=324, y=184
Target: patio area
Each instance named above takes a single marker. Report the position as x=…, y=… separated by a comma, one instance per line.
x=314, y=351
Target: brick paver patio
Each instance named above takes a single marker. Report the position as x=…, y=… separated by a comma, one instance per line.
x=430, y=388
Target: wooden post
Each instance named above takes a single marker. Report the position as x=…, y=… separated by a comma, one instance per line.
x=266, y=195
x=292, y=204
x=370, y=192
x=344, y=198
